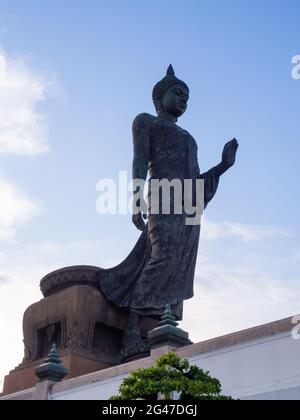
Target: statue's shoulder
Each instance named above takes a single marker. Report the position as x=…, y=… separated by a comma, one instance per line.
x=143, y=120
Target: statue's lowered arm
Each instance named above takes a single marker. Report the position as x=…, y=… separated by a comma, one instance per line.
x=140, y=132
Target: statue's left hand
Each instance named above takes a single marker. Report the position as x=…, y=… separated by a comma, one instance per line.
x=229, y=154
x=138, y=221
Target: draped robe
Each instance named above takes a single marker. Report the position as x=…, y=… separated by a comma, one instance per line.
x=160, y=269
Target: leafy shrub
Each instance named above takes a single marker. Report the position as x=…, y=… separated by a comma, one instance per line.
x=170, y=374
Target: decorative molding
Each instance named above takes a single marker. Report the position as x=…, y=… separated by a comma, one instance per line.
x=76, y=340
x=69, y=276
x=27, y=352
x=137, y=351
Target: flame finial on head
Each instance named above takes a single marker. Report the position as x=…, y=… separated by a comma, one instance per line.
x=170, y=71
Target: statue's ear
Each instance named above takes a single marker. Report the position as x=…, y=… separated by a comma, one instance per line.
x=158, y=105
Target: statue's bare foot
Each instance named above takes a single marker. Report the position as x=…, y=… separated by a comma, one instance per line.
x=132, y=334
x=131, y=339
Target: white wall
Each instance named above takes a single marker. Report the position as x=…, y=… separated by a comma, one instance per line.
x=266, y=368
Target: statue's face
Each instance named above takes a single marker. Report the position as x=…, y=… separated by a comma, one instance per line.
x=175, y=100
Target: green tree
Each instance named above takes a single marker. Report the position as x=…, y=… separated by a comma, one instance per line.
x=170, y=374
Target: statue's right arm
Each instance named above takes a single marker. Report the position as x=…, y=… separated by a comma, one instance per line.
x=141, y=150
x=141, y=146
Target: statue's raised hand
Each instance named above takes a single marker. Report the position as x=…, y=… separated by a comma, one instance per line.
x=229, y=154
x=138, y=221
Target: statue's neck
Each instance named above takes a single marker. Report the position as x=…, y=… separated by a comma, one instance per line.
x=166, y=116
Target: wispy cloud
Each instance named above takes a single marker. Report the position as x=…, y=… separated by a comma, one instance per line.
x=23, y=131
x=221, y=230
x=23, y=127
x=231, y=298
x=15, y=210
x=238, y=287
x=3, y=279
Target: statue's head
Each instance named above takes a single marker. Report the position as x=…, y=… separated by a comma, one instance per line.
x=171, y=94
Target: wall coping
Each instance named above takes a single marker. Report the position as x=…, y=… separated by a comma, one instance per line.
x=226, y=341
x=223, y=342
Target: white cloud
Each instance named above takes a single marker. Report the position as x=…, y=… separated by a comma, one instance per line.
x=232, y=298
x=247, y=233
x=23, y=128
x=241, y=287
x=23, y=131
x=3, y=279
x=15, y=210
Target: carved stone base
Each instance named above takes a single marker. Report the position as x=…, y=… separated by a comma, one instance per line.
x=86, y=328
x=135, y=352
x=25, y=378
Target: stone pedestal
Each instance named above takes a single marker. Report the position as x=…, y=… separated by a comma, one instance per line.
x=86, y=328
x=167, y=334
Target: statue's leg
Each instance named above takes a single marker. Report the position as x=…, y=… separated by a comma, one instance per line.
x=132, y=334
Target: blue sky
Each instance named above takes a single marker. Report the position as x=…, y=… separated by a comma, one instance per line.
x=86, y=69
